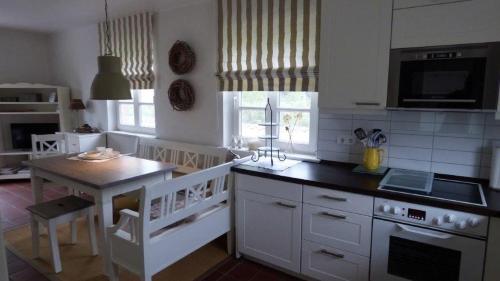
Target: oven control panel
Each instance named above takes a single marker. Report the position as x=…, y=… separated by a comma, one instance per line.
x=446, y=219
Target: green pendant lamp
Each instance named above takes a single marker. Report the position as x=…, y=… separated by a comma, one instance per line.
x=109, y=82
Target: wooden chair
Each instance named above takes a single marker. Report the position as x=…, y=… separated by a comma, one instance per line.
x=48, y=145
x=59, y=211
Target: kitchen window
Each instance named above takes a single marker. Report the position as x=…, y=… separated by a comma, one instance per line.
x=137, y=114
x=296, y=113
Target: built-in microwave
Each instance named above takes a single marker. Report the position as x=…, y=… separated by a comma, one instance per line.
x=458, y=77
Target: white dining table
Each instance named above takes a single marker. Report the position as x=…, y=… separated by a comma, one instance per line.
x=4, y=274
x=101, y=180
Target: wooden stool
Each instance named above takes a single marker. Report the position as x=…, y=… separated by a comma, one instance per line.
x=59, y=211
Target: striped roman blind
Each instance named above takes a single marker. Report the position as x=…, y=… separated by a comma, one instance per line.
x=268, y=45
x=132, y=40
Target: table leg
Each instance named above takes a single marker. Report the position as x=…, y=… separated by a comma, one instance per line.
x=104, y=206
x=37, y=190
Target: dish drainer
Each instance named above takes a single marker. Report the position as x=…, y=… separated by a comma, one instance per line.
x=269, y=137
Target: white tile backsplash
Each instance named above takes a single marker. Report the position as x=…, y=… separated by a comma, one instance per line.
x=410, y=153
x=459, y=130
x=411, y=140
x=410, y=164
x=444, y=142
x=414, y=128
x=335, y=124
x=413, y=116
x=454, y=169
x=460, y=144
x=460, y=118
x=456, y=157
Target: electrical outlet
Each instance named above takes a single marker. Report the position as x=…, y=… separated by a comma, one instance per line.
x=346, y=140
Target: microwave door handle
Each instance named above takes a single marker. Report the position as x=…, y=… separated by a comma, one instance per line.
x=423, y=233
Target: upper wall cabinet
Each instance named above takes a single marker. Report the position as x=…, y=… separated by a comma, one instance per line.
x=419, y=23
x=355, y=45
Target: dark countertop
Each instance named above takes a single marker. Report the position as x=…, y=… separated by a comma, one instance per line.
x=339, y=176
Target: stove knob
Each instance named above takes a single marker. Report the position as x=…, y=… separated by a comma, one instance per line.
x=396, y=210
x=449, y=218
x=385, y=208
x=460, y=224
x=438, y=220
x=472, y=222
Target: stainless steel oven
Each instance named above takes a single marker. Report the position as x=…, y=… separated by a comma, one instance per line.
x=460, y=77
x=415, y=242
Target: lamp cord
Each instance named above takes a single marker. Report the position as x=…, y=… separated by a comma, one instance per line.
x=108, y=32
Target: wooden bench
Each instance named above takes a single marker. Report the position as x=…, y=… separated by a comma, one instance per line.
x=187, y=157
x=175, y=218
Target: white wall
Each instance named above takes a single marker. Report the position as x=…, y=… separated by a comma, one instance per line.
x=24, y=56
x=196, y=24
x=75, y=51
x=74, y=58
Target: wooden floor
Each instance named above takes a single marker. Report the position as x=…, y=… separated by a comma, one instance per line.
x=15, y=196
x=244, y=270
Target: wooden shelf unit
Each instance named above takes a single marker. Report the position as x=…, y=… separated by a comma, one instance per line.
x=29, y=103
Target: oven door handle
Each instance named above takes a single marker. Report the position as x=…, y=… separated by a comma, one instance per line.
x=423, y=233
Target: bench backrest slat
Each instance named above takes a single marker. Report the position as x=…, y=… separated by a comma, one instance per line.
x=166, y=203
x=187, y=157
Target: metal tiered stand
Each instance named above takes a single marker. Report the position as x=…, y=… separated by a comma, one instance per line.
x=269, y=147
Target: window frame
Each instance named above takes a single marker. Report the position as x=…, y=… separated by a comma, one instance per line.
x=273, y=96
x=136, y=128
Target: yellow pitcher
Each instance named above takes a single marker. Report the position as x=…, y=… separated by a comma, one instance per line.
x=372, y=158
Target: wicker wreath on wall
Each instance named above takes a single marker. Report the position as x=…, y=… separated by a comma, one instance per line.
x=181, y=58
x=181, y=95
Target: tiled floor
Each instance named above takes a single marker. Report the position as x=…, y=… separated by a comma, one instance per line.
x=16, y=196
x=245, y=270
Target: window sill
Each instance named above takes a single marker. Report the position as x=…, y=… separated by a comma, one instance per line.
x=292, y=156
x=141, y=135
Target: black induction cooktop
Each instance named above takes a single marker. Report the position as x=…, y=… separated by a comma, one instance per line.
x=450, y=190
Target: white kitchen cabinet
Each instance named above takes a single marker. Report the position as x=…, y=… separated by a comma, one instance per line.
x=341, y=230
x=84, y=142
x=339, y=200
x=355, y=46
x=456, y=22
x=327, y=263
x=274, y=188
x=268, y=228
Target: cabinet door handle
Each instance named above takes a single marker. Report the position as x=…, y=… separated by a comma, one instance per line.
x=332, y=254
x=286, y=205
x=367, y=103
x=334, y=198
x=333, y=215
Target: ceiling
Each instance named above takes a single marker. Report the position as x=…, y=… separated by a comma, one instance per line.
x=55, y=15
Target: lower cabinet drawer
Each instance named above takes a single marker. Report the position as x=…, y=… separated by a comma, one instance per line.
x=339, y=200
x=328, y=263
x=342, y=230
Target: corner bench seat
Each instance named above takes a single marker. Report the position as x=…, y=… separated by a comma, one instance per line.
x=187, y=157
x=175, y=218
